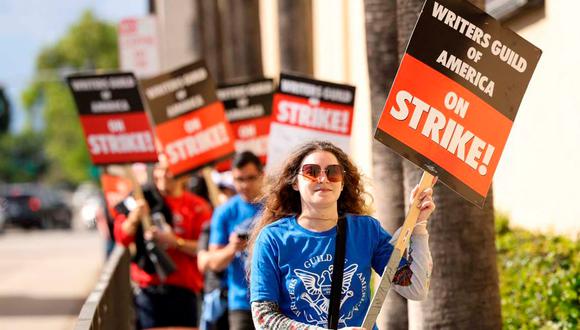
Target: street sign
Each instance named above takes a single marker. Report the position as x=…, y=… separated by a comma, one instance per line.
x=139, y=46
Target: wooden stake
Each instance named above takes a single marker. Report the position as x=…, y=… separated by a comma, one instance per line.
x=212, y=188
x=393, y=264
x=138, y=195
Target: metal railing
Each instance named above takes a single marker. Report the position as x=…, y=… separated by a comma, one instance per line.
x=110, y=304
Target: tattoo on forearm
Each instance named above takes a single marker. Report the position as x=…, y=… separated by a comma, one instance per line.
x=267, y=316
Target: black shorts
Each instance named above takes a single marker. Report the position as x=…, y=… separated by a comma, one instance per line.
x=166, y=306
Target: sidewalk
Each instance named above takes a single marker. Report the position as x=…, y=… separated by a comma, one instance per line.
x=45, y=276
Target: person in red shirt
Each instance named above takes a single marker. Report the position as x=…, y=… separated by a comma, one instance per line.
x=171, y=301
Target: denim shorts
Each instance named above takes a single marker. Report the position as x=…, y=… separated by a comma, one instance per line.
x=166, y=306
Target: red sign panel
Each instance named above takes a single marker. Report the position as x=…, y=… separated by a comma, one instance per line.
x=190, y=121
x=116, y=189
x=305, y=110
x=249, y=110
x=251, y=135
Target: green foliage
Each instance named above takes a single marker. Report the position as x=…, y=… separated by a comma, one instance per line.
x=88, y=45
x=540, y=279
x=22, y=157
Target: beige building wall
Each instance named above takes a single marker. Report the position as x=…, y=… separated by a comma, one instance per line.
x=340, y=56
x=537, y=182
x=176, y=24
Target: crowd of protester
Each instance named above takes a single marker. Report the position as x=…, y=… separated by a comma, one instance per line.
x=262, y=255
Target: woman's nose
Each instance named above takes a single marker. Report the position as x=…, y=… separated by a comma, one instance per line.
x=322, y=177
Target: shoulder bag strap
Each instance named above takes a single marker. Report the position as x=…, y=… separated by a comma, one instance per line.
x=337, y=274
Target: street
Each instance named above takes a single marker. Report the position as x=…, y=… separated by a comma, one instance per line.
x=45, y=276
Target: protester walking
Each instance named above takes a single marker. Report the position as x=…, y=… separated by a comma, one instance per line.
x=171, y=301
x=317, y=196
x=230, y=227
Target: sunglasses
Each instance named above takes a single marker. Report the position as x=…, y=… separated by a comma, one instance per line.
x=334, y=173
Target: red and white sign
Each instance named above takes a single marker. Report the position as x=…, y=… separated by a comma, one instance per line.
x=190, y=122
x=249, y=110
x=115, y=125
x=251, y=135
x=116, y=189
x=116, y=139
x=305, y=110
x=139, y=46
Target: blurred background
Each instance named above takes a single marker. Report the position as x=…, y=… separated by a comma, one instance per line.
x=51, y=248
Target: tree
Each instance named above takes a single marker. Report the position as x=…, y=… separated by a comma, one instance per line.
x=89, y=44
x=23, y=159
x=210, y=32
x=464, y=285
x=383, y=59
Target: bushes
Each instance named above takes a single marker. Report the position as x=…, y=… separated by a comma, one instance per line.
x=539, y=279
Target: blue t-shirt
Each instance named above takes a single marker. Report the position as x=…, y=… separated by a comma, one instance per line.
x=292, y=266
x=235, y=215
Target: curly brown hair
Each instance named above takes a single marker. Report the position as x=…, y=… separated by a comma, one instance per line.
x=281, y=200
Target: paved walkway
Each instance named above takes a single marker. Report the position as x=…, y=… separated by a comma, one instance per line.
x=45, y=276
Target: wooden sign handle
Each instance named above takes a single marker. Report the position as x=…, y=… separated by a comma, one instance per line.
x=138, y=195
x=393, y=264
x=212, y=188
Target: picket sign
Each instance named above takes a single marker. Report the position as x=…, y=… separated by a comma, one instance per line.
x=400, y=246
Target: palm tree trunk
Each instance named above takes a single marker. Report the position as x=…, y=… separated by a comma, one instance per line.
x=296, y=40
x=241, y=39
x=464, y=285
x=382, y=57
x=210, y=31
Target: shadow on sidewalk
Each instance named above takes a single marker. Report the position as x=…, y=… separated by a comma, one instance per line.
x=30, y=306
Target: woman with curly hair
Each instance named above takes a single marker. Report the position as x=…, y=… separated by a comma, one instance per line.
x=293, y=244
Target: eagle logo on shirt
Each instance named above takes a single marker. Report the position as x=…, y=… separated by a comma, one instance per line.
x=318, y=289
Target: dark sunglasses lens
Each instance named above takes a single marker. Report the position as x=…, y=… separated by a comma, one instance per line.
x=334, y=173
x=311, y=170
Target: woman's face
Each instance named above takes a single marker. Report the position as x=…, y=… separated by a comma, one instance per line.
x=319, y=191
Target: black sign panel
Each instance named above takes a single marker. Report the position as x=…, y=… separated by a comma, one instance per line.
x=106, y=93
x=178, y=92
x=315, y=89
x=247, y=100
x=473, y=49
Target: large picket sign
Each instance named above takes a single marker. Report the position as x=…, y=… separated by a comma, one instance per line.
x=304, y=110
x=456, y=95
x=249, y=110
x=189, y=120
x=452, y=106
x=113, y=119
